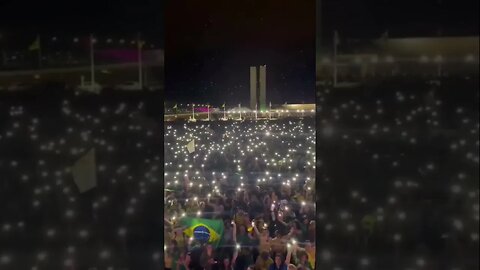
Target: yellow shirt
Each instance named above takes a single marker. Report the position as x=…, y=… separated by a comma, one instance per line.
x=261, y=264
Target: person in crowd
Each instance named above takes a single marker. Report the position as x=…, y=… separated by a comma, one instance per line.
x=280, y=263
x=263, y=261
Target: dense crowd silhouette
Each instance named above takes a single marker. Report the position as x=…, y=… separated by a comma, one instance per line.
x=46, y=223
x=394, y=184
x=397, y=174
x=255, y=176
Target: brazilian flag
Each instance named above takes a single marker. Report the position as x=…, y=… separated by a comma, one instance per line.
x=204, y=230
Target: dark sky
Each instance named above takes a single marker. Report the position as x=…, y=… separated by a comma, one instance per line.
x=211, y=44
x=22, y=18
x=370, y=18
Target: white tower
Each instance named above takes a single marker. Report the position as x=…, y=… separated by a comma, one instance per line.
x=258, y=88
x=263, y=87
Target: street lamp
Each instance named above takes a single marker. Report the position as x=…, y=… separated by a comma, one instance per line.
x=438, y=59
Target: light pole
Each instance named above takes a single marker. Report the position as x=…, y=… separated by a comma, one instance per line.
x=439, y=60
x=193, y=111
x=208, y=112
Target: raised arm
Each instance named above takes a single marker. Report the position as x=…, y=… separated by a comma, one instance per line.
x=289, y=255
x=167, y=222
x=280, y=219
x=290, y=233
x=234, y=237
x=255, y=228
x=295, y=248
x=180, y=229
x=234, y=231
x=235, y=255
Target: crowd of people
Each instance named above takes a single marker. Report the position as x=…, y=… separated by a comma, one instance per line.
x=397, y=175
x=385, y=177
x=257, y=177
x=46, y=222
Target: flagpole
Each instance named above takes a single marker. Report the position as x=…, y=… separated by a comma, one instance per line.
x=208, y=112
x=270, y=111
x=240, y=109
x=335, y=40
x=140, y=68
x=256, y=114
x=224, y=111
x=439, y=67
x=92, y=64
x=193, y=111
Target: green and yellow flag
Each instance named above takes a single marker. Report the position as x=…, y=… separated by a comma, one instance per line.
x=204, y=230
x=35, y=46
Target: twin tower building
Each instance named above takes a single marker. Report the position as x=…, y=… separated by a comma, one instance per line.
x=258, y=87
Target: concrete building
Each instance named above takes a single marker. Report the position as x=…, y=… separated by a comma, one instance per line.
x=263, y=87
x=258, y=87
x=253, y=87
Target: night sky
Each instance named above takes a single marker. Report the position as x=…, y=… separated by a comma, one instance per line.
x=21, y=19
x=406, y=18
x=211, y=44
